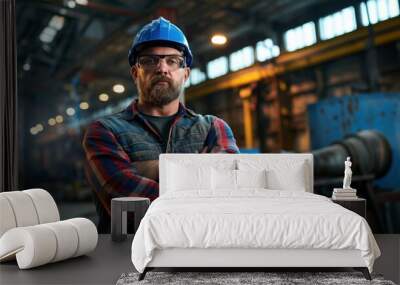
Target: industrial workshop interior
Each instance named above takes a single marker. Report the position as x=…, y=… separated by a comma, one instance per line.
x=295, y=100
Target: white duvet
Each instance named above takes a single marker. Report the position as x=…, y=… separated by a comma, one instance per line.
x=255, y=218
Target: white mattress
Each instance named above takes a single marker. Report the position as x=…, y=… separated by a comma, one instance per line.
x=252, y=218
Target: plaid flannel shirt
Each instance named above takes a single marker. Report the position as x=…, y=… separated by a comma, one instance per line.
x=122, y=150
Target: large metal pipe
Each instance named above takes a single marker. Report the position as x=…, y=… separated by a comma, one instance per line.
x=369, y=150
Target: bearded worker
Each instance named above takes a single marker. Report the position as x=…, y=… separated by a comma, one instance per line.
x=122, y=150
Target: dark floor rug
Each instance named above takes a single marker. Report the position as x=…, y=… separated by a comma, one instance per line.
x=230, y=278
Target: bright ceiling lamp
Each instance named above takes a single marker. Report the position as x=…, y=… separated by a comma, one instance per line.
x=103, y=97
x=81, y=2
x=39, y=127
x=70, y=111
x=71, y=4
x=118, y=88
x=218, y=39
x=59, y=119
x=51, y=121
x=84, y=105
x=36, y=129
x=26, y=66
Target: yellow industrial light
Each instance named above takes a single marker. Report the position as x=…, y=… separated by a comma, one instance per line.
x=103, y=97
x=51, y=121
x=118, y=88
x=84, y=105
x=218, y=39
x=70, y=111
x=39, y=127
x=59, y=119
x=36, y=129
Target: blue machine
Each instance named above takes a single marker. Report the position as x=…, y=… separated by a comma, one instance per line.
x=334, y=118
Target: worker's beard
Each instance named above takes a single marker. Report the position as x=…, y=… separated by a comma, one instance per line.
x=159, y=94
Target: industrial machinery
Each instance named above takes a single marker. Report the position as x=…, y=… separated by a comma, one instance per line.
x=369, y=150
x=367, y=128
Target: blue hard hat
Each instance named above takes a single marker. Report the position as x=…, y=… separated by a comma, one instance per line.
x=160, y=32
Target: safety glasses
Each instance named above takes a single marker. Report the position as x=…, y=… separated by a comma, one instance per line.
x=151, y=61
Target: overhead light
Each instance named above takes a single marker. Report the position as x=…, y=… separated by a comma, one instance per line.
x=45, y=38
x=70, y=111
x=218, y=39
x=26, y=67
x=48, y=34
x=71, y=4
x=59, y=119
x=57, y=22
x=81, y=2
x=52, y=121
x=118, y=88
x=39, y=127
x=36, y=129
x=84, y=105
x=33, y=131
x=103, y=97
x=50, y=31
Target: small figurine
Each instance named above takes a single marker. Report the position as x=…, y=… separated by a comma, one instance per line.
x=347, y=174
x=345, y=193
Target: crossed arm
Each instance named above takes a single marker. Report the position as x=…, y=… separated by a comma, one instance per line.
x=112, y=168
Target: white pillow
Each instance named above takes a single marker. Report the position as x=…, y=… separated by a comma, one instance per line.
x=182, y=177
x=293, y=180
x=282, y=174
x=193, y=174
x=223, y=179
x=251, y=178
x=227, y=179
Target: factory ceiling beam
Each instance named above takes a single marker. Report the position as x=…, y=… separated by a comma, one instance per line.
x=60, y=9
x=95, y=7
x=385, y=32
x=68, y=38
x=116, y=35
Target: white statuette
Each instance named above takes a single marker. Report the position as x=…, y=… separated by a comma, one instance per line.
x=347, y=174
x=346, y=192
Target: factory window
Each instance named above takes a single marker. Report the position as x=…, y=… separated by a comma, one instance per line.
x=266, y=49
x=300, y=37
x=217, y=67
x=374, y=11
x=338, y=23
x=197, y=76
x=241, y=58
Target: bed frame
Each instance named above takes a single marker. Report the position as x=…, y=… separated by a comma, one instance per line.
x=245, y=259
x=249, y=258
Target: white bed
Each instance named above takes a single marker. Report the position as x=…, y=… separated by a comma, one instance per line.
x=224, y=210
